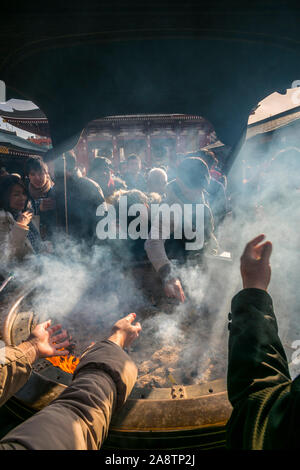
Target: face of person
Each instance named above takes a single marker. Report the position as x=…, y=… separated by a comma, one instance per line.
x=133, y=167
x=37, y=178
x=18, y=198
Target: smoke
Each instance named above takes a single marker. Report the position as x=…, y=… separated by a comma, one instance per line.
x=269, y=202
x=264, y=184
x=88, y=290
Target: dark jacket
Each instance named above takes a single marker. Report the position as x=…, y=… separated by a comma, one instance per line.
x=83, y=198
x=266, y=402
x=217, y=200
x=135, y=183
x=47, y=218
x=160, y=251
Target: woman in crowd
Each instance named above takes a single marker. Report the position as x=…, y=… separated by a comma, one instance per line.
x=19, y=234
x=42, y=194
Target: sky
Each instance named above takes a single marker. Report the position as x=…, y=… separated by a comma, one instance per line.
x=273, y=104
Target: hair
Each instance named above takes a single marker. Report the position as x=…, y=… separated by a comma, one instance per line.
x=120, y=183
x=134, y=196
x=156, y=179
x=133, y=156
x=163, y=167
x=157, y=172
x=194, y=173
x=99, y=163
x=71, y=162
x=36, y=164
x=6, y=185
x=154, y=198
x=207, y=156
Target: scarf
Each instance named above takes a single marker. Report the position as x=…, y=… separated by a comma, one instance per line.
x=37, y=193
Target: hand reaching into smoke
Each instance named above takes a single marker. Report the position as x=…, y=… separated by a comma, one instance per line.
x=46, y=342
x=174, y=288
x=255, y=267
x=124, y=332
x=25, y=218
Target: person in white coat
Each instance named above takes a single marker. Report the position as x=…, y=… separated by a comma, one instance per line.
x=19, y=232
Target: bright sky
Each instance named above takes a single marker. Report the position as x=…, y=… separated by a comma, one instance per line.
x=273, y=104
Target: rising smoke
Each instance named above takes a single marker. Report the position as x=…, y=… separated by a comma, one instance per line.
x=89, y=290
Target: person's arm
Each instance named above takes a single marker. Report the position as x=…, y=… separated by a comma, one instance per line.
x=18, y=235
x=16, y=361
x=79, y=418
x=256, y=357
x=210, y=242
x=15, y=368
x=156, y=252
x=258, y=379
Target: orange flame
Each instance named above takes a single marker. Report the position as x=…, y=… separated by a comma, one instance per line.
x=66, y=363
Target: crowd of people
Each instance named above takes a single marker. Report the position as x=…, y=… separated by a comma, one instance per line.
x=35, y=208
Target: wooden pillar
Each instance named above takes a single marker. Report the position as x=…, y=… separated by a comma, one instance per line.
x=115, y=151
x=148, y=151
x=81, y=151
x=179, y=140
x=147, y=131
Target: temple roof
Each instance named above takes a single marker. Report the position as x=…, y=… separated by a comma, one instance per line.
x=35, y=121
x=32, y=120
x=273, y=123
x=28, y=114
x=10, y=140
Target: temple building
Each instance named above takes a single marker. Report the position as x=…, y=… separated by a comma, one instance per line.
x=14, y=150
x=155, y=138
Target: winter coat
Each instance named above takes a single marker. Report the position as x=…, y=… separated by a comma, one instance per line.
x=83, y=198
x=156, y=247
x=79, y=418
x=15, y=369
x=266, y=402
x=14, y=242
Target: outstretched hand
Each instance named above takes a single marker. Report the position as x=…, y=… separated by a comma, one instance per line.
x=46, y=342
x=174, y=289
x=255, y=267
x=124, y=332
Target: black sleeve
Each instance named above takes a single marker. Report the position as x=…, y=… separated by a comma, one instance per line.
x=256, y=356
x=258, y=380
